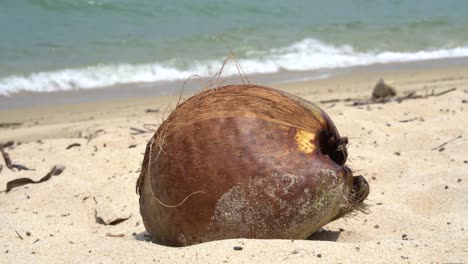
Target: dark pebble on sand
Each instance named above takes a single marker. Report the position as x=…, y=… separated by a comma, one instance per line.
x=397, y=153
x=459, y=180
x=404, y=237
x=28, y=233
x=238, y=248
x=465, y=161
x=446, y=187
x=376, y=226
x=319, y=255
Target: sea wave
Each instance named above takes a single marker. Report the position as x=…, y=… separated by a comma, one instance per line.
x=308, y=54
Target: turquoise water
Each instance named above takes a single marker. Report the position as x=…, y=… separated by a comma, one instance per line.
x=48, y=45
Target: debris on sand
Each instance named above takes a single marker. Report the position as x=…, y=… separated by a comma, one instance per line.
x=383, y=90
x=56, y=170
x=107, y=215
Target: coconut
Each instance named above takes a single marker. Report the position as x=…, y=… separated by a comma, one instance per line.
x=245, y=161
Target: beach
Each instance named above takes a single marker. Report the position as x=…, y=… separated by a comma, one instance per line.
x=413, y=153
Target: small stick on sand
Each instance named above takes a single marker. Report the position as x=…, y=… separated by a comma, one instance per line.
x=6, y=157
x=445, y=143
x=19, y=235
x=446, y=91
x=138, y=131
x=411, y=119
x=330, y=101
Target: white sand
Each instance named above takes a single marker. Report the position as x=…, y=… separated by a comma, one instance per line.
x=418, y=200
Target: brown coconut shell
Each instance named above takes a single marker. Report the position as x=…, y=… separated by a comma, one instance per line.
x=245, y=161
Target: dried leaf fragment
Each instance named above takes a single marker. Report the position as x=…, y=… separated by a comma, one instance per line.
x=56, y=170
x=20, y=167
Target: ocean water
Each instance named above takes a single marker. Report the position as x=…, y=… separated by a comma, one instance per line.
x=51, y=45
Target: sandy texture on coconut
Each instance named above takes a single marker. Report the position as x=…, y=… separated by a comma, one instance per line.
x=418, y=199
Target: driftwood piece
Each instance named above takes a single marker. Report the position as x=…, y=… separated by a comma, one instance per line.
x=10, y=124
x=115, y=235
x=399, y=99
x=56, y=170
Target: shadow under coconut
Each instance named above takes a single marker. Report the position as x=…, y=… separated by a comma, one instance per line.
x=321, y=235
x=143, y=236
x=325, y=235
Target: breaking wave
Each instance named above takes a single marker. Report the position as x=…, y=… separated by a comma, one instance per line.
x=308, y=54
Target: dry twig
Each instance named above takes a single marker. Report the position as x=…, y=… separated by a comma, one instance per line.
x=6, y=158
x=73, y=145
x=19, y=235
x=138, y=131
x=411, y=119
x=445, y=143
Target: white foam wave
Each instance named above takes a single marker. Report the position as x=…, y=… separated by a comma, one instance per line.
x=308, y=54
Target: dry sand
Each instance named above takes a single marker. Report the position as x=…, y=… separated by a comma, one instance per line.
x=418, y=200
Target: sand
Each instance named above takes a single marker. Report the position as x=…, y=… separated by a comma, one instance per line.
x=417, y=205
